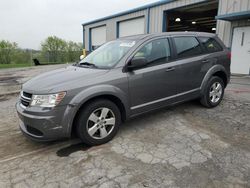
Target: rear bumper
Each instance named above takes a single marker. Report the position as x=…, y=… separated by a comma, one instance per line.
x=43, y=124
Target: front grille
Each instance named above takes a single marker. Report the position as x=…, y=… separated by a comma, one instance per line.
x=25, y=98
x=28, y=95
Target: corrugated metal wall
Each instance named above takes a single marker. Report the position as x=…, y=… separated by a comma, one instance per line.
x=111, y=25
x=225, y=28
x=231, y=6
x=156, y=19
x=156, y=13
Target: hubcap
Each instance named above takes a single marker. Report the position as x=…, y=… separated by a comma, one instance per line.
x=215, y=92
x=101, y=123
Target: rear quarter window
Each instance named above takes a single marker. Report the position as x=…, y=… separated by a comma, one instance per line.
x=187, y=46
x=210, y=44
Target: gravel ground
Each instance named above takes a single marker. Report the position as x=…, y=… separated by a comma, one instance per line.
x=182, y=146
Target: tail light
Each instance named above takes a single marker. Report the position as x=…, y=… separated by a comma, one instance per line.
x=229, y=55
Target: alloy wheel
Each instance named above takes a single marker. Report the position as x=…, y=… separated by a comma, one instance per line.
x=215, y=92
x=101, y=123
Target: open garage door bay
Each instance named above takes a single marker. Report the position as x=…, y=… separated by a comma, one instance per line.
x=198, y=17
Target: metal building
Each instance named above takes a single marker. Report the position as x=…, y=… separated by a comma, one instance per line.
x=230, y=19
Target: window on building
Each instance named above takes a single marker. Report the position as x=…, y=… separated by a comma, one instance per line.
x=187, y=46
x=210, y=44
x=156, y=52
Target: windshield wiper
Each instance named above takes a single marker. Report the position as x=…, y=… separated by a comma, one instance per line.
x=88, y=64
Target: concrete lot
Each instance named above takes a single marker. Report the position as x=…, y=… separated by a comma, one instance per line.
x=183, y=146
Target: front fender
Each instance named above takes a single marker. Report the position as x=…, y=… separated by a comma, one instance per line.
x=210, y=73
x=90, y=93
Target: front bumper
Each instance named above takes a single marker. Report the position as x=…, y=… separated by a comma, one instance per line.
x=42, y=124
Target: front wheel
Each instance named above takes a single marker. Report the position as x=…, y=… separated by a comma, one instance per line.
x=98, y=122
x=214, y=92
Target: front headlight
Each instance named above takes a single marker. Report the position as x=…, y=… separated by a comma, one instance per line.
x=47, y=100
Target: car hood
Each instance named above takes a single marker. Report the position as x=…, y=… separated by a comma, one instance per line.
x=47, y=82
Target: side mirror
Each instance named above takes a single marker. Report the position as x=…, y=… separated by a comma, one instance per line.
x=137, y=62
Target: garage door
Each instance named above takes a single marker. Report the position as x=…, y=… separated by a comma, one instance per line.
x=241, y=51
x=98, y=36
x=132, y=27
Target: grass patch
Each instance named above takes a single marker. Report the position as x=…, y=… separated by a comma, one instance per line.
x=5, y=66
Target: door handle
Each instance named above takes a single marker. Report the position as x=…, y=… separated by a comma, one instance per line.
x=170, y=69
x=205, y=61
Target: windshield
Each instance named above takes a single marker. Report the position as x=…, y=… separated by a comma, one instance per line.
x=109, y=54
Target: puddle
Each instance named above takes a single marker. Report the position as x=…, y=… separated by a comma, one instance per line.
x=65, y=152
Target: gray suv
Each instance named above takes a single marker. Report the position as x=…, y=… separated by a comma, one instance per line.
x=122, y=79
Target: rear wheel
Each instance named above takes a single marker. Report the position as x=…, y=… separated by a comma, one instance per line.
x=98, y=122
x=214, y=92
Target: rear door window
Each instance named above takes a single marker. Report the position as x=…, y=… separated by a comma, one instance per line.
x=187, y=47
x=210, y=44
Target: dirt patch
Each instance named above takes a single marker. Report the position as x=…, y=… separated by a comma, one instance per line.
x=3, y=98
x=10, y=79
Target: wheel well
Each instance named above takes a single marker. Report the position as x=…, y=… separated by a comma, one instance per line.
x=112, y=98
x=222, y=75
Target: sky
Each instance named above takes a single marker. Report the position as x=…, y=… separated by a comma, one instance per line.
x=29, y=22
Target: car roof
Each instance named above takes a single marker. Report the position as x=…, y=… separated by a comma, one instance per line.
x=143, y=36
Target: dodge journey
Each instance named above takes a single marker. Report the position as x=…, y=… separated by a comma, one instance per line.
x=122, y=79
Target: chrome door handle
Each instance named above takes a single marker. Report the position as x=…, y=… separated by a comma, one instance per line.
x=170, y=69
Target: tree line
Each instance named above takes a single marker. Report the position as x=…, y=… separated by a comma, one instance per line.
x=53, y=50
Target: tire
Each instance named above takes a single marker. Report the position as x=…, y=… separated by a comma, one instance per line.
x=96, y=117
x=209, y=98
